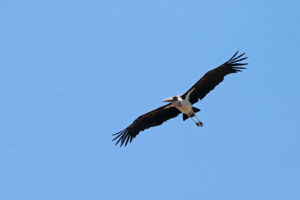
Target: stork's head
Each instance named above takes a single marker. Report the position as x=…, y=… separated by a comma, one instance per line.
x=171, y=99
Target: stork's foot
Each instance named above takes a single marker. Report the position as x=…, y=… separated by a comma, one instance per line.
x=199, y=124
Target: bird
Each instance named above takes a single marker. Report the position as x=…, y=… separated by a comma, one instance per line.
x=182, y=103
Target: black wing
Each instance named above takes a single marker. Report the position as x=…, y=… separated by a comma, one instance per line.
x=153, y=118
x=212, y=78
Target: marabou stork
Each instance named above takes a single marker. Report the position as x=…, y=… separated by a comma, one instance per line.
x=182, y=103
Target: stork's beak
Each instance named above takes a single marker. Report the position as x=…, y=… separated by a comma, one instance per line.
x=170, y=99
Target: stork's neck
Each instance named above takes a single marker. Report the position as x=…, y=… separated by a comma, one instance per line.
x=177, y=103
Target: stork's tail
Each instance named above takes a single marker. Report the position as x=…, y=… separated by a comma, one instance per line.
x=184, y=116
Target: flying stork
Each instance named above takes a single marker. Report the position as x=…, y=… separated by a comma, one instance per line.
x=182, y=103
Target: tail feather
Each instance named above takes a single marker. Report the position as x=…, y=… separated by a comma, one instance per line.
x=184, y=116
x=196, y=109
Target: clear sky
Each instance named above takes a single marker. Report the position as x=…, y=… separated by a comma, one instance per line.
x=74, y=72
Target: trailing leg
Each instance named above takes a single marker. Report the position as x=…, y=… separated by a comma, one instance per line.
x=197, y=123
x=200, y=123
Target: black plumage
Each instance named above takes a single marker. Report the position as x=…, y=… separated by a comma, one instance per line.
x=215, y=76
x=153, y=118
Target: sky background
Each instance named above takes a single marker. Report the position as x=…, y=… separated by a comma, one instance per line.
x=75, y=72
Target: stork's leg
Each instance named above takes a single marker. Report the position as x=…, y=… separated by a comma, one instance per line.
x=200, y=123
x=197, y=123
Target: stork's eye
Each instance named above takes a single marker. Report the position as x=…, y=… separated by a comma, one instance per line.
x=175, y=98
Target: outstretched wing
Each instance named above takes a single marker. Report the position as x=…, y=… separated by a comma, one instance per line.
x=153, y=118
x=212, y=78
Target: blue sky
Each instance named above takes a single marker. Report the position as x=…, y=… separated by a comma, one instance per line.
x=74, y=72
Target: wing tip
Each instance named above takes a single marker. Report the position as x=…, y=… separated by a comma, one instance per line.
x=122, y=137
x=235, y=61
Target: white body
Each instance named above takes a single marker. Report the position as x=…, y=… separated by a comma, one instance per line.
x=185, y=107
